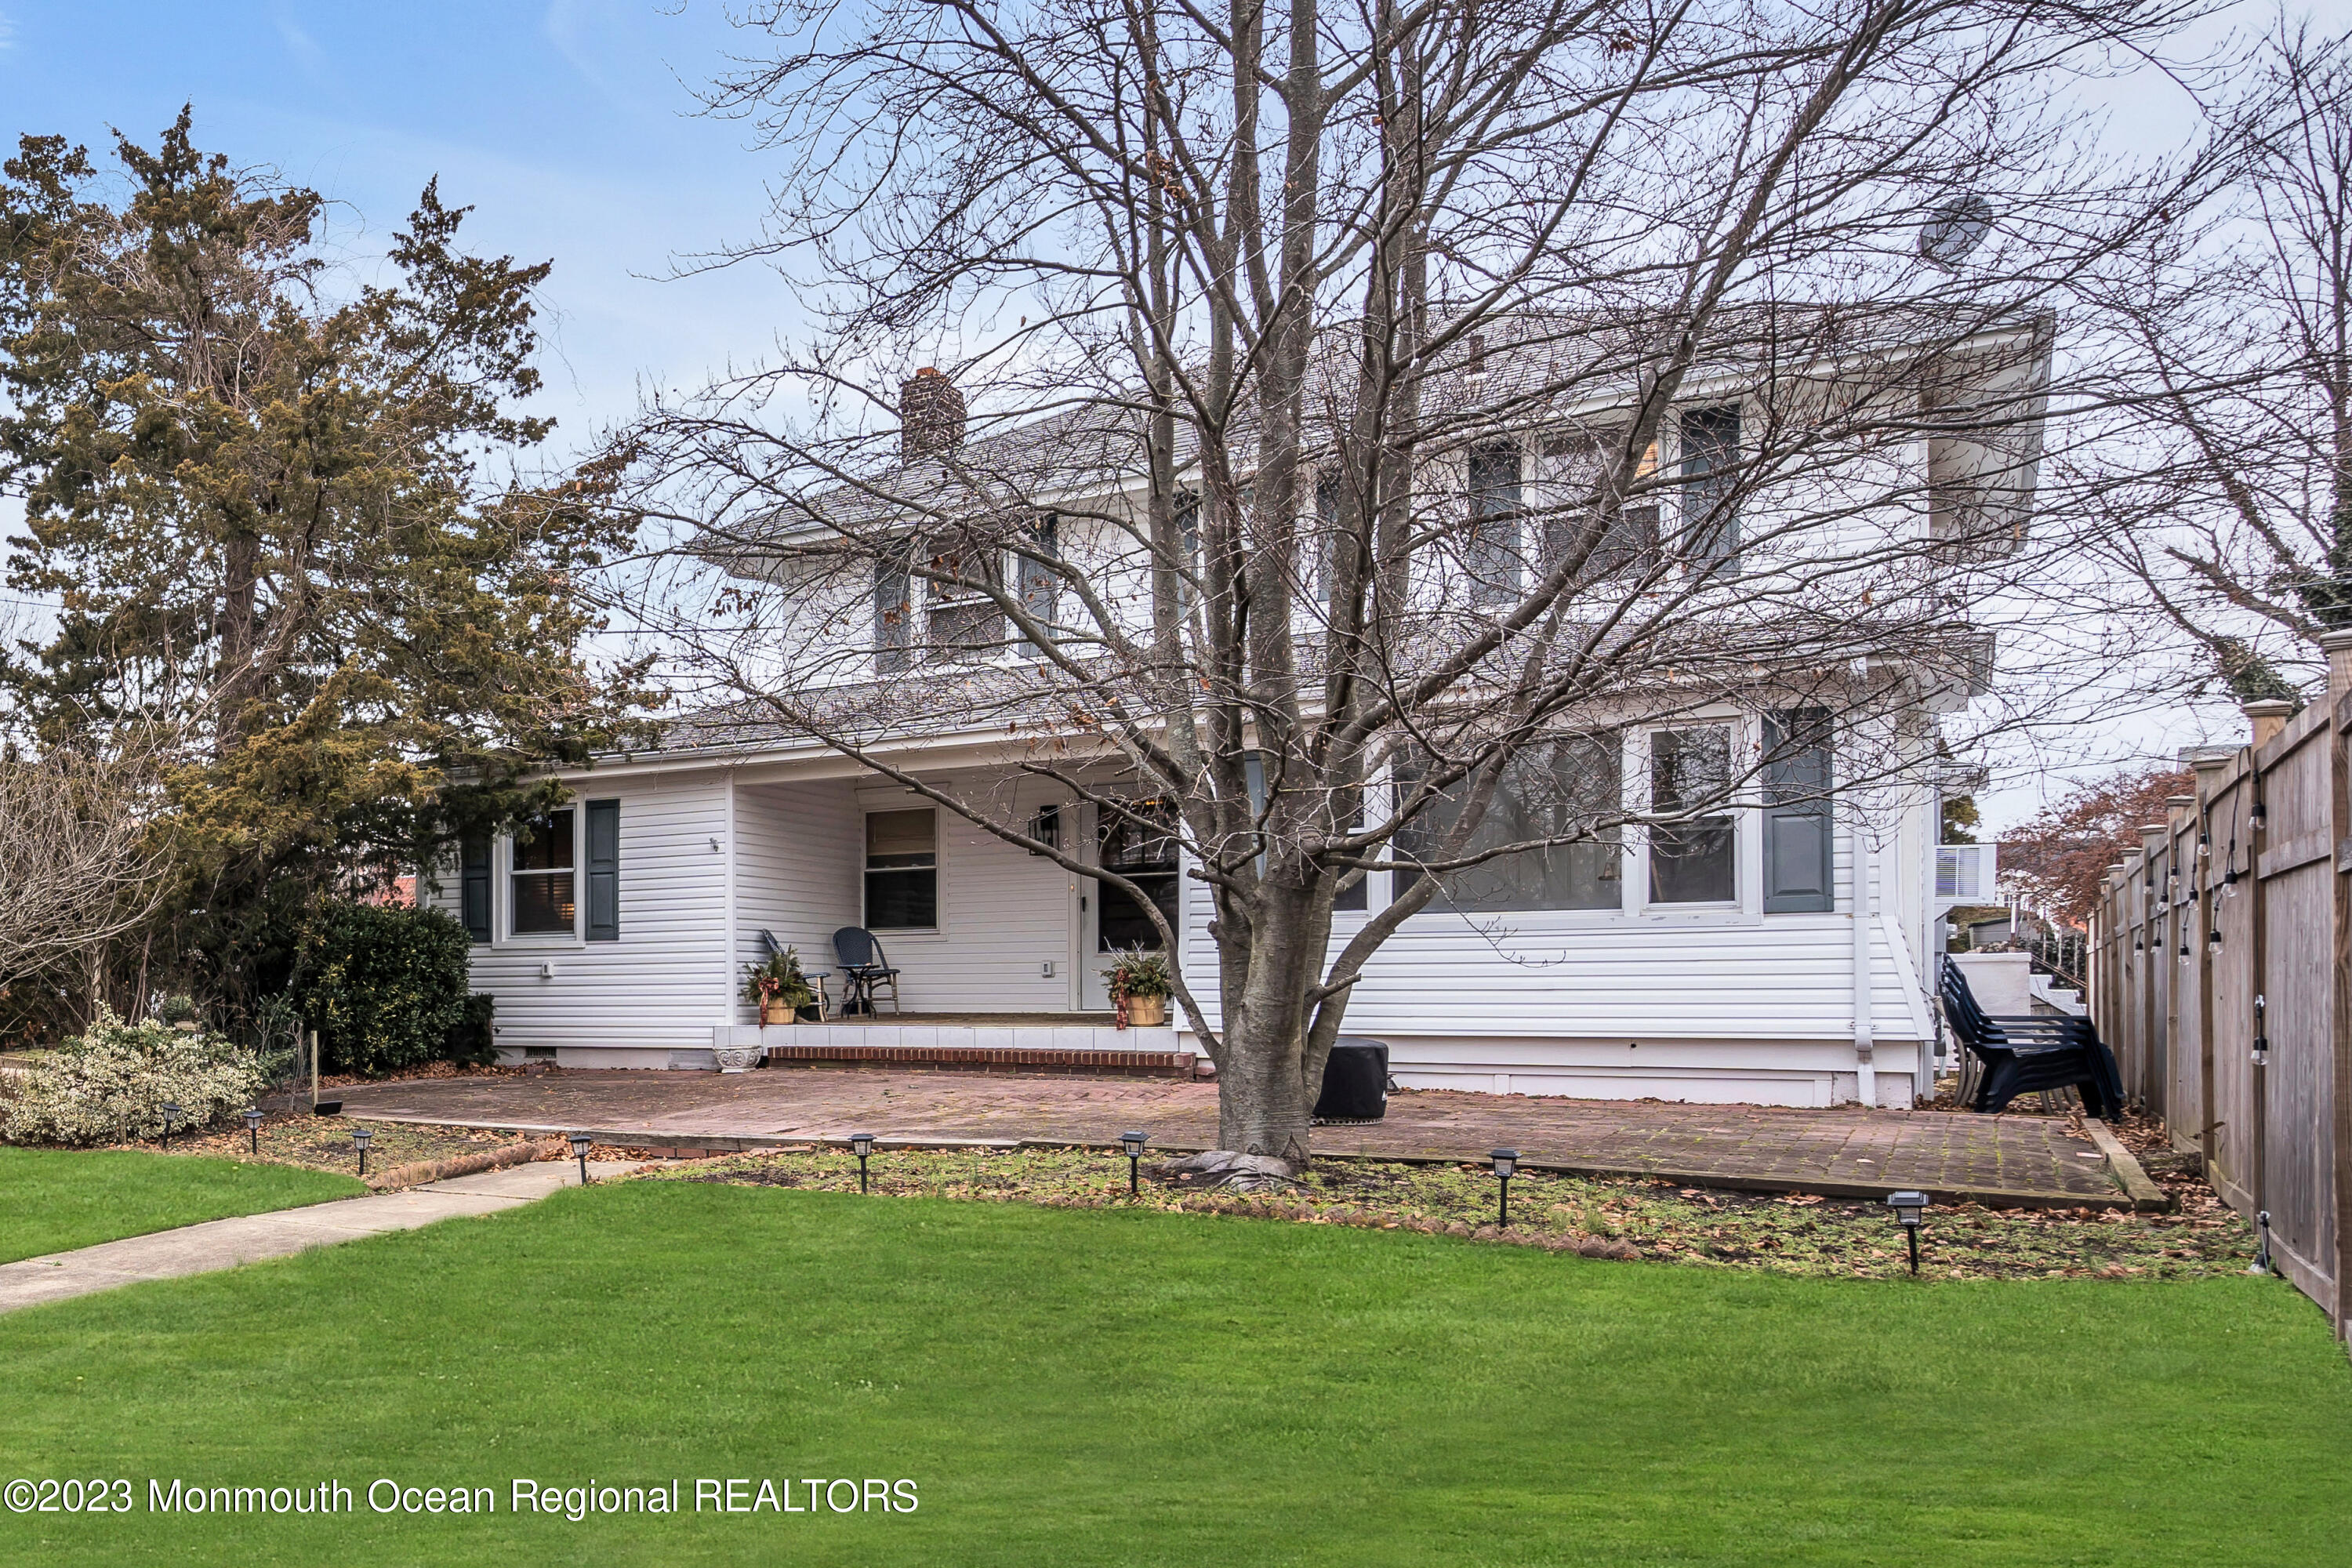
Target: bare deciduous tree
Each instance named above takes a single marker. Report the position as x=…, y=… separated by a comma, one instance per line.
x=79, y=860
x=1356, y=417
x=2226, y=481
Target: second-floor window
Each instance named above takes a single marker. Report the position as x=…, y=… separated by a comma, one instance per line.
x=1614, y=536
x=962, y=622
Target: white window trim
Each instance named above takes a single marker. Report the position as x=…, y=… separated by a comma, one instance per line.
x=867, y=808
x=1745, y=808
x=502, y=932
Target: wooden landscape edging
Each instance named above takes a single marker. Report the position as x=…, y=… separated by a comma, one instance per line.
x=2220, y=959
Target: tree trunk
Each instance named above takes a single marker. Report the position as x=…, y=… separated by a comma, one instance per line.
x=1262, y=1103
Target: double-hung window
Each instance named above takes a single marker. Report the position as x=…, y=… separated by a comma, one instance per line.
x=1040, y=585
x=964, y=622
x=542, y=878
x=902, y=869
x=1694, y=860
x=1585, y=511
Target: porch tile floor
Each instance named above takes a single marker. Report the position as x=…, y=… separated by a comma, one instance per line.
x=2013, y=1160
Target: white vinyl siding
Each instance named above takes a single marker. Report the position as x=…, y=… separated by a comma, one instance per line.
x=797, y=858
x=659, y=987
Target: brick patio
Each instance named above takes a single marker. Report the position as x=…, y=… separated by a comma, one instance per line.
x=2002, y=1160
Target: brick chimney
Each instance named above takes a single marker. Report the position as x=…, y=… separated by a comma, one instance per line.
x=931, y=415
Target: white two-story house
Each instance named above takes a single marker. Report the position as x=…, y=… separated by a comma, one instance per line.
x=1776, y=951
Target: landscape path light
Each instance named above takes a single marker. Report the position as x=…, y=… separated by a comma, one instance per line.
x=1907, y=1207
x=861, y=1145
x=580, y=1143
x=253, y=1126
x=361, y=1138
x=1133, y=1143
x=171, y=1114
x=1507, y=1161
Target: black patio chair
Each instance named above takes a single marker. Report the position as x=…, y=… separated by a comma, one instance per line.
x=865, y=969
x=2026, y=1055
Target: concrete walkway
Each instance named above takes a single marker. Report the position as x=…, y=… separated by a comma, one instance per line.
x=2009, y=1160
x=248, y=1238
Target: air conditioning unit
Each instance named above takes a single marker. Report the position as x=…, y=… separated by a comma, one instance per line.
x=1964, y=874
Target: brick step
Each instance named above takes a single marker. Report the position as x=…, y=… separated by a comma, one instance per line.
x=985, y=1058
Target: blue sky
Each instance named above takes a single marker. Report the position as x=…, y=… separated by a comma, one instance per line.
x=569, y=126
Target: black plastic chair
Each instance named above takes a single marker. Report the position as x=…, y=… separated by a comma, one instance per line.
x=865, y=969
x=2026, y=1055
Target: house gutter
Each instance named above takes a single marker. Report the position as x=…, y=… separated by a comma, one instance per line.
x=1865, y=1073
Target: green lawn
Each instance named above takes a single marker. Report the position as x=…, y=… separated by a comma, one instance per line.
x=1109, y=1386
x=52, y=1200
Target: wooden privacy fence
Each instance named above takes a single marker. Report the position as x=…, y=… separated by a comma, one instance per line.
x=2217, y=973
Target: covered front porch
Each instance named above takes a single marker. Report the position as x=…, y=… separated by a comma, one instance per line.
x=1001, y=955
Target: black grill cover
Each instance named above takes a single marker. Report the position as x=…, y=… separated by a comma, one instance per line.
x=1355, y=1081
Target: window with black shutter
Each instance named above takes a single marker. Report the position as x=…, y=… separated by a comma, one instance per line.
x=1798, y=839
x=603, y=871
x=474, y=886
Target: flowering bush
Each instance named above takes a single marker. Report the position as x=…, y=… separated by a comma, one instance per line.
x=110, y=1085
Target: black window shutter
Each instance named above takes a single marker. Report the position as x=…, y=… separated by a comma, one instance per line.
x=1799, y=826
x=603, y=871
x=474, y=886
x=1710, y=483
x=893, y=615
x=1040, y=586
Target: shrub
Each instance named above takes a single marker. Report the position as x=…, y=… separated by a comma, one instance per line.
x=109, y=1085
x=384, y=985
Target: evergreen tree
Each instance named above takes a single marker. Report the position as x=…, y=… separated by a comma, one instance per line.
x=285, y=529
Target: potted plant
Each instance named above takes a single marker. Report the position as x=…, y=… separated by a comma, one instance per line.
x=778, y=988
x=1140, y=986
